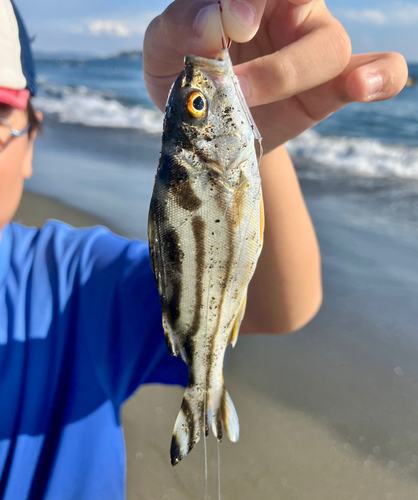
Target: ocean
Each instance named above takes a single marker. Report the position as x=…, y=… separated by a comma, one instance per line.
x=98, y=110
x=378, y=140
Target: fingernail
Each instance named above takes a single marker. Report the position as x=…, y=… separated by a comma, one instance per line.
x=375, y=83
x=243, y=13
x=202, y=19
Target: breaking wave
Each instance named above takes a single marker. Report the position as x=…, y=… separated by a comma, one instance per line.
x=366, y=157
x=359, y=156
x=96, y=109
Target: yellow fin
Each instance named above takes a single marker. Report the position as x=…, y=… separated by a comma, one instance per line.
x=237, y=323
x=262, y=221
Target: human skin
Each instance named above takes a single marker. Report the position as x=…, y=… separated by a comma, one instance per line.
x=15, y=164
x=295, y=69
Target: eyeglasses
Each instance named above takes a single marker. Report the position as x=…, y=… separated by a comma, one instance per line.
x=7, y=133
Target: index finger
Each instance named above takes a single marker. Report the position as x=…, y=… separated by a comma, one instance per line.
x=315, y=58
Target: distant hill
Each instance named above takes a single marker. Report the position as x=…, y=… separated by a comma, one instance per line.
x=64, y=55
x=78, y=56
x=128, y=54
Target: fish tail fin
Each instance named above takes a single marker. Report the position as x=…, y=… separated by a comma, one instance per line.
x=188, y=424
x=227, y=415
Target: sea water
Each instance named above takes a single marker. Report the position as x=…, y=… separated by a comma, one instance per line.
x=377, y=139
x=103, y=136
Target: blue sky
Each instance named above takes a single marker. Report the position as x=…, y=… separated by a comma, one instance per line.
x=107, y=26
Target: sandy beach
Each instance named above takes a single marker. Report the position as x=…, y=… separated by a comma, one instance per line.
x=326, y=413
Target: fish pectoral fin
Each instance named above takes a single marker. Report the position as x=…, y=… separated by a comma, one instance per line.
x=238, y=320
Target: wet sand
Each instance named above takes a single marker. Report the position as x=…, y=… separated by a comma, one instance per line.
x=327, y=413
x=34, y=210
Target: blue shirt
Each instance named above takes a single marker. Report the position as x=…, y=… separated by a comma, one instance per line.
x=80, y=330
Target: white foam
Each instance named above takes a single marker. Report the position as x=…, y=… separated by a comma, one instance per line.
x=96, y=109
x=366, y=157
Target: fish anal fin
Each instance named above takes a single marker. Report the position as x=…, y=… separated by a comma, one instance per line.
x=238, y=320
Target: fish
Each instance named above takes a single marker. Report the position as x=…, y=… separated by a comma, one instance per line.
x=205, y=231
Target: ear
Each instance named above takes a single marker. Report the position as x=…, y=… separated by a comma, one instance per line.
x=27, y=164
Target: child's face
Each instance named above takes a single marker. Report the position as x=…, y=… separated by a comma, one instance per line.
x=15, y=164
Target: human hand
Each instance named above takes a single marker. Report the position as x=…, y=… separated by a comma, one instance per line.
x=295, y=68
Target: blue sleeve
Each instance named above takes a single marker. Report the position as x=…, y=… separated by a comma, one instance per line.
x=108, y=282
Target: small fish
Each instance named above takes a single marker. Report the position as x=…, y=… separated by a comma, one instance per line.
x=205, y=230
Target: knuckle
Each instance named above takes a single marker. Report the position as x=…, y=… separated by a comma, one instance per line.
x=286, y=76
x=341, y=44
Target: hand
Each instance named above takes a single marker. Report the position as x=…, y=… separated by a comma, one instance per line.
x=295, y=68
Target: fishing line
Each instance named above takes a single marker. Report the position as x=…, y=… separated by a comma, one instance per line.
x=219, y=471
x=206, y=455
x=237, y=87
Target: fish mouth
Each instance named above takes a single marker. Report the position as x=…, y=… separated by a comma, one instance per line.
x=213, y=67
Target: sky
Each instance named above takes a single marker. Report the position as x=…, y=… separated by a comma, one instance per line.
x=103, y=27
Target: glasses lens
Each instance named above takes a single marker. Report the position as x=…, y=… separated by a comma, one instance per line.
x=5, y=135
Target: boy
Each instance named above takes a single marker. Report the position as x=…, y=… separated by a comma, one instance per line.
x=80, y=321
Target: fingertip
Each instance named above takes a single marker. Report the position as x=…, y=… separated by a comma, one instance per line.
x=379, y=80
x=207, y=28
x=241, y=18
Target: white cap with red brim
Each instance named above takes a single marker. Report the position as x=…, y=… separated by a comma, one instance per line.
x=17, y=72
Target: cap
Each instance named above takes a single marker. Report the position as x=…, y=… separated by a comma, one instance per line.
x=17, y=71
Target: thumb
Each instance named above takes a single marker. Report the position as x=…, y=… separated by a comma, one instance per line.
x=193, y=27
x=241, y=18
x=185, y=27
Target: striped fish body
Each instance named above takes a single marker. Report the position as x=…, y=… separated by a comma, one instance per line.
x=205, y=236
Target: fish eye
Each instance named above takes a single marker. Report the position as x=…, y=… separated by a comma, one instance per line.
x=196, y=104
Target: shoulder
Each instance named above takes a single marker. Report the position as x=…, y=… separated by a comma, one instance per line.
x=59, y=245
x=63, y=238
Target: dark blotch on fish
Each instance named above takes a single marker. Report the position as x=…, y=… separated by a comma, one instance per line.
x=188, y=413
x=175, y=254
x=176, y=179
x=198, y=227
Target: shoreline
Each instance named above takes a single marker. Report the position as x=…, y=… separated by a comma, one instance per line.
x=35, y=209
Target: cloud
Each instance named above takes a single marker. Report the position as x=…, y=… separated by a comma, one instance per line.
x=398, y=14
x=365, y=15
x=109, y=27
x=115, y=26
x=406, y=13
